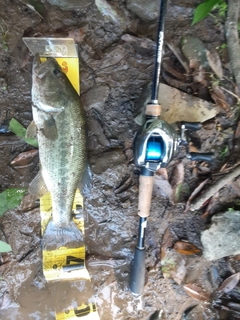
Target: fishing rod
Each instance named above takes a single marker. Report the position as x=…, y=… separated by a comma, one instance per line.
x=156, y=143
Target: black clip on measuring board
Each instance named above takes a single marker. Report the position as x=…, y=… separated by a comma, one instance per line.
x=156, y=143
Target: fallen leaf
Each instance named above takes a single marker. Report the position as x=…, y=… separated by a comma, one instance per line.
x=177, y=180
x=219, y=97
x=174, y=266
x=24, y=159
x=179, y=106
x=196, y=292
x=215, y=62
x=168, y=240
x=230, y=283
x=176, y=106
x=195, y=51
x=214, y=200
x=186, y=248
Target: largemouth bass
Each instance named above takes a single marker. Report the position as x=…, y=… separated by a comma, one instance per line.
x=61, y=131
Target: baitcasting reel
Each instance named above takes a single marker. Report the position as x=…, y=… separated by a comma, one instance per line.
x=157, y=143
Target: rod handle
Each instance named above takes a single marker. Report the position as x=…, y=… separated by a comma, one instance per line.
x=137, y=276
x=201, y=156
x=145, y=195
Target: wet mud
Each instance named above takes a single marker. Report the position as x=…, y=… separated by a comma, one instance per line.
x=114, y=68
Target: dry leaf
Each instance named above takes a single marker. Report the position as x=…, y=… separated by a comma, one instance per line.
x=177, y=180
x=179, y=106
x=219, y=97
x=215, y=62
x=230, y=283
x=213, y=201
x=196, y=292
x=168, y=240
x=174, y=266
x=24, y=159
x=187, y=248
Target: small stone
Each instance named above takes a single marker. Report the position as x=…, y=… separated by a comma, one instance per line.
x=223, y=237
x=145, y=10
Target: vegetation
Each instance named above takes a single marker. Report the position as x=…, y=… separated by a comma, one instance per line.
x=20, y=131
x=206, y=7
x=5, y=247
x=10, y=199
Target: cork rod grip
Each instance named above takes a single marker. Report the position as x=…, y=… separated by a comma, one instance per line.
x=145, y=195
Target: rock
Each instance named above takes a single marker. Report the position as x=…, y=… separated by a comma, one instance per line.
x=142, y=45
x=176, y=106
x=223, y=237
x=70, y=4
x=145, y=10
x=108, y=12
x=95, y=97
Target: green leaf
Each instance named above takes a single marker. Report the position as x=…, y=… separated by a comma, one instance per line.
x=203, y=10
x=10, y=199
x=5, y=247
x=20, y=131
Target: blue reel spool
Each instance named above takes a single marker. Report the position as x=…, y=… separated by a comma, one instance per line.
x=154, y=150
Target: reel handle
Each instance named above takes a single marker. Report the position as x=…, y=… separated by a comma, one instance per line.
x=193, y=126
x=195, y=156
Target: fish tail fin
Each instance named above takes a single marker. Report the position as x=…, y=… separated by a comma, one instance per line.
x=56, y=236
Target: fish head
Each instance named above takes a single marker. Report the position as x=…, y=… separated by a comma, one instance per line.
x=50, y=85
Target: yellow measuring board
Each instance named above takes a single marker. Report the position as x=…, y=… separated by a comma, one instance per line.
x=85, y=312
x=63, y=263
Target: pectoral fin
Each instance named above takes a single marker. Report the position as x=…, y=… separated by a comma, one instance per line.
x=85, y=184
x=38, y=187
x=32, y=131
x=49, y=128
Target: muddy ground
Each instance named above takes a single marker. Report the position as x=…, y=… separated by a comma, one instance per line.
x=113, y=73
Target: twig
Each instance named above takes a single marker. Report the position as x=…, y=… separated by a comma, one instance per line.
x=214, y=188
x=230, y=92
x=177, y=55
x=231, y=30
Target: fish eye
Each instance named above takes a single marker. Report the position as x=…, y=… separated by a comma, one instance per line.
x=57, y=72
